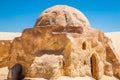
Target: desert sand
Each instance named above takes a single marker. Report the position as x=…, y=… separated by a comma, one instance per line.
x=8, y=35
x=114, y=36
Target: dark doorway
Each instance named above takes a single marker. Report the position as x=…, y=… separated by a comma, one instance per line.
x=94, y=66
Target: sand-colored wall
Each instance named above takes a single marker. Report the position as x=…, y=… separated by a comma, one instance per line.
x=114, y=36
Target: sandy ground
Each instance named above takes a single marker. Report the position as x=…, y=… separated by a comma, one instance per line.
x=114, y=36
x=8, y=35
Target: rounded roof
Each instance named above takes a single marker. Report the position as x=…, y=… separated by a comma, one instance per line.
x=62, y=15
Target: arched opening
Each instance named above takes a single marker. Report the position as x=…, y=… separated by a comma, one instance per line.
x=84, y=46
x=94, y=66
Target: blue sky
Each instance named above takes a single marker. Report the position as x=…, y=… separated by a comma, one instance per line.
x=16, y=15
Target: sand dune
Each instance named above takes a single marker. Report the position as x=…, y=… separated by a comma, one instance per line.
x=114, y=36
x=8, y=35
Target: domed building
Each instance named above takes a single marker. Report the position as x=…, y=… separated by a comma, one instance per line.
x=62, y=15
x=62, y=43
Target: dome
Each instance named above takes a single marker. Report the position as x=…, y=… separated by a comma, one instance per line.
x=62, y=15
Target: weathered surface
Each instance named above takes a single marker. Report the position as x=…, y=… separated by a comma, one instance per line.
x=62, y=15
x=67, y=48
x=32, y=43
x=61, y=51
x=47, y=65
x=108, y=69
x=113, y=58
x=4, y=52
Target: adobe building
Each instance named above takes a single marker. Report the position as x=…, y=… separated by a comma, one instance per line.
x=61, y=43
